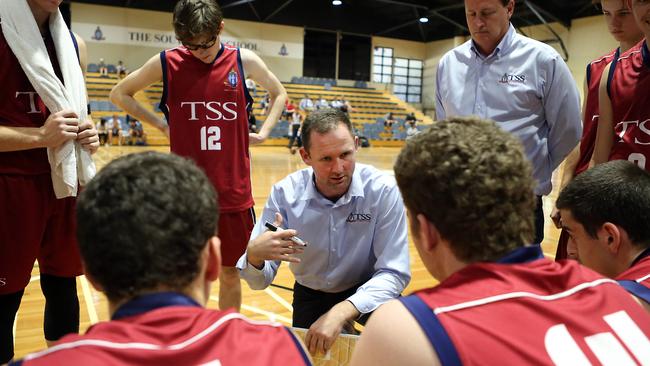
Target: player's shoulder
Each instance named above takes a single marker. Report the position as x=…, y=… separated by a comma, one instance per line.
x=375, y=180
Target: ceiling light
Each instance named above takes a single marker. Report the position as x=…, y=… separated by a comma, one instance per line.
x=424, y=20
x=337, y=2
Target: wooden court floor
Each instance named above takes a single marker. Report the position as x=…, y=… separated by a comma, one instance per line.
x=270, y=164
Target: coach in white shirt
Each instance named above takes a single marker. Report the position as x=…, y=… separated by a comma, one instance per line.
x=522, y=84
x=353, y=218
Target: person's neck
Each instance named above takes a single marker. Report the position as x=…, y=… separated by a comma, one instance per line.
x=41, y=17
x=195, y=292
x=626, y=45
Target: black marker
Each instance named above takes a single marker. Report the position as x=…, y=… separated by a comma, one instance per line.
x=294, y=239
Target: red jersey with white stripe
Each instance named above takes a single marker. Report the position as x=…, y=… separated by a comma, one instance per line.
x=207, y=108
x=20, y=106
x=637, y=278
x=177, y=335
x=629, y=92
x=590, y=119
x=534, y=312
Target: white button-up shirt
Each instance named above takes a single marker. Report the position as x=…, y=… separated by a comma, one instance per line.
x=526, y=87
x=359, y=239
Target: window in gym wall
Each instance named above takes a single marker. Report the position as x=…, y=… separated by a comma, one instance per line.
x=407, y=79
x=382, y=65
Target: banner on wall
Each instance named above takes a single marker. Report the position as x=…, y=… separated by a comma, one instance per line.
x=110, y=34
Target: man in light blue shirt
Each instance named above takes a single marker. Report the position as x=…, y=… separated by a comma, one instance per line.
x=353, y=219
x=522, y=84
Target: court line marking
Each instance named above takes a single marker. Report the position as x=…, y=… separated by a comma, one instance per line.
x=279, y=299
x=270, y=315
x=88, y=299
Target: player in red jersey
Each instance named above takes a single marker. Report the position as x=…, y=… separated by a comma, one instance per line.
x=622, y=26
x=206, y=103
x=624, y=125
x=606, y=211
x=33, y=223
x=155, y=253
x=469, y=196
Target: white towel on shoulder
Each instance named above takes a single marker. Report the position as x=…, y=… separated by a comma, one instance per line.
x=70, y=164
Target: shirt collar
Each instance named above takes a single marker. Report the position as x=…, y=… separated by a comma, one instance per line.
x=145, y=303
x=523, y=255
x=355, y=189
x=645, y=253
x=501, y=48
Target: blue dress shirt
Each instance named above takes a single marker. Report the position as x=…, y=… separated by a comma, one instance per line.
x=526, y=87
x=359, y=239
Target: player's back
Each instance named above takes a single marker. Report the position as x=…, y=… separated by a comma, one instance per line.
x=177, y=335
x=532, y=313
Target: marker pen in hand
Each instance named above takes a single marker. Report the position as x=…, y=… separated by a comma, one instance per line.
x=294, y=239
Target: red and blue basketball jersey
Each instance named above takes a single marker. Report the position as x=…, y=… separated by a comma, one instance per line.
x=527, y=310
x=636, y=279
x=629, y=88
x=207, y=108
x=590, y=119
x=20, y=106
x=171, y=329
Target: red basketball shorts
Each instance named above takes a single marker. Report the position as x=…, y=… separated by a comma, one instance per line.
x=34, y=225
x=234, y=232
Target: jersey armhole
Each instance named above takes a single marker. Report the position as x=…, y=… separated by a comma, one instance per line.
x=436, y=333
x=299, y=346
x=162, y=105
x=588, y=73
x=636, y=289
x=610, y=76
x=247, y=94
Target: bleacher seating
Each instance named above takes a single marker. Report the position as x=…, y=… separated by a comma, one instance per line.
x=369, y=105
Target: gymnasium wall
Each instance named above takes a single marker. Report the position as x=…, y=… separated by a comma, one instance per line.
x=134, y=36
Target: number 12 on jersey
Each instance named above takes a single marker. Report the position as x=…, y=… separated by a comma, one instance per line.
x=210, y=137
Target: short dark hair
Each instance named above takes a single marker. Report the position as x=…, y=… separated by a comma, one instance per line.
x=142, y=223
x=323, y=121
x=472, y=181
x=194, y=18
x=617, y=192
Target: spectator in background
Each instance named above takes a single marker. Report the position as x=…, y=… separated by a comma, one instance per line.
x=121, y=70
x=389, y=120
x=321, y=102
x=411, y=130
x=346, y=107
x=103, y=70
x=294, y=132
x=410, y=117
x=289, y=108
x=265, y=104
x=306, y=104
x=136, y=133
x=102, y=132
x=251, y=86
x=336, y=103
x=114, y=126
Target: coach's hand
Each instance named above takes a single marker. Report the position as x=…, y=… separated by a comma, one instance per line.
x=322, y=334
x=88, y=137
x=275, y=246
x=59, y=127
